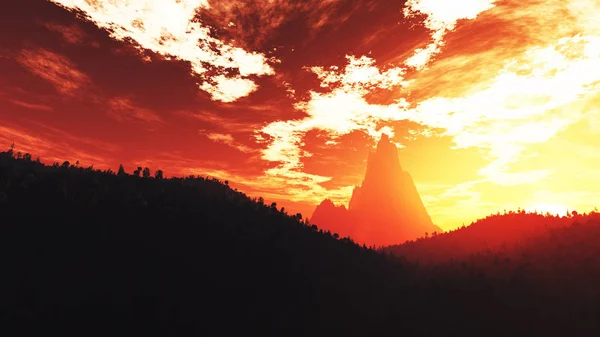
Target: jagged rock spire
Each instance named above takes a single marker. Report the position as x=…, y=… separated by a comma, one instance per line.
x=386, y=209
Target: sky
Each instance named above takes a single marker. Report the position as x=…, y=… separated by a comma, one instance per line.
x=494, y=104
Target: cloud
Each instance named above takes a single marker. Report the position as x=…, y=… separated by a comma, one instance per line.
x=228, y=140
x=54, y=68
x=170, y=28
x=54, y=145
x=360, y=75
x=239, y=118
x=31, y=106
x=508, y=79
x=228, y=90
x=339, y=112
x=442, y=16
x=253, y=22
x=71, y=34
x=219, y=122
x=523, y=102
x=121, y=108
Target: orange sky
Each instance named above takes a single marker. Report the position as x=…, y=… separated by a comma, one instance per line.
x=495, y=104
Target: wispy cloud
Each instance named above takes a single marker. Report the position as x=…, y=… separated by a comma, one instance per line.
x=70, y=33
x=228, y=140
x=170, y=28
x=54, y=68
x=122, y=108
x=54, y=145
x=31, y=106
x=220, y=122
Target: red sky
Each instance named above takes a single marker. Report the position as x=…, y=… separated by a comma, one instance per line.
x=495, y=104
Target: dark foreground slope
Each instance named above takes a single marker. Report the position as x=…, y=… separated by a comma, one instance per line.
x=92, y=253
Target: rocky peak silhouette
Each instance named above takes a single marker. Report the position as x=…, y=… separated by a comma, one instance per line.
x=383, y=167
x=386, y=209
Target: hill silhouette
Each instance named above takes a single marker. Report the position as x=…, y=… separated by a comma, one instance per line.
x=556, y=258
x=97, y=253
x=501, y=232
x=386, y=209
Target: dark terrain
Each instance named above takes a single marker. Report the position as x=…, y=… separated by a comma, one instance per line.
x=98, y=253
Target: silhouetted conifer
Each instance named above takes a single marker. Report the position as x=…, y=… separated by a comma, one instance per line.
x=121, y=172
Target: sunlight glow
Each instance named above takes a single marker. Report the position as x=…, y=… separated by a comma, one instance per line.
x=553, y=209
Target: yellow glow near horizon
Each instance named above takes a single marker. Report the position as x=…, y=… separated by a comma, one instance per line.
x=554, y=209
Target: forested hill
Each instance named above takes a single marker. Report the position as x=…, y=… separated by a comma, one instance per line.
x=92, y=253
x=106, y=252
x=505, y=234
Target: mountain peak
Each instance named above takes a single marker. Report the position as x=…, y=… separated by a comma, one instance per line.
x=386, y=209
x=328, y=204
x=385, y=144
x=383, y=165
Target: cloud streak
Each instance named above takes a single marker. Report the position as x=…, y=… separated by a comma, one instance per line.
x=228, y=140
x=71, y=34
x=31, y=106
x=123, y=109
x=54, y=145
x=54, y=68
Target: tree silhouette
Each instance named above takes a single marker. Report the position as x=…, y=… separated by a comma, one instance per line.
x=158, y=174
x=121, y=171
x=138, y=171
x=146, y=173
